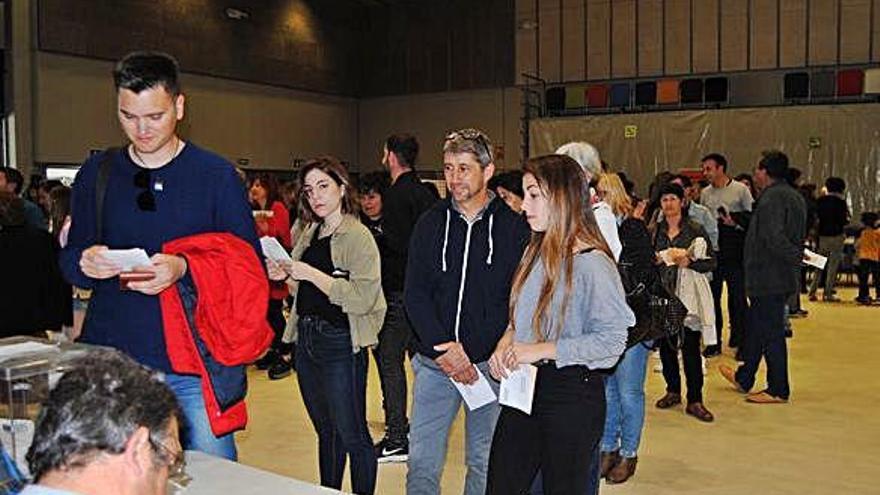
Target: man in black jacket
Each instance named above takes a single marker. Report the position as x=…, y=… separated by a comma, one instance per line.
x=773, y=254
x=463, y=254
x=402, y=205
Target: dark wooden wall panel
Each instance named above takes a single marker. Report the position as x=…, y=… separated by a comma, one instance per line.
x=549, y=46
x=650, y=32
x=598, y=39
x=705, y=44
x=678, y=36
x=792, y=33
x=526, y=39
x=764, y=35
x=823, y=32
x=875, y=37
x=574, y=44
x=855, y=42
x=623, y=38
x=294, y=43
x=734, y=34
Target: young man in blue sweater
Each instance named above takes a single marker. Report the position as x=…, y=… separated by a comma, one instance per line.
x=159, y=188
x=462, y=256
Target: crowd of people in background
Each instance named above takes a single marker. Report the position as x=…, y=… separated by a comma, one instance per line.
x=509, y=270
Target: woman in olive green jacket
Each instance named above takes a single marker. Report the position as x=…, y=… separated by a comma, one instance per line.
x=337, y=312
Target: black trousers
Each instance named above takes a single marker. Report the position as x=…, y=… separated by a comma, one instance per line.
x=693, y=365
x=733, y=274
x=868, y=268
x=559, y=437
x=394, y=340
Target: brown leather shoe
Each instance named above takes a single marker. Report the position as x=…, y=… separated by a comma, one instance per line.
x=699, y=411
x=608, y=461
x=764, y=397
x=729, y=374
x=668, y=400
x=623, y=470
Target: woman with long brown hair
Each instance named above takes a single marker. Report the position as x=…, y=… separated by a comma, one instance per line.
x=569, y=317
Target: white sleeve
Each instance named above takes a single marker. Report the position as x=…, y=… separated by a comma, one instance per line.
x=608, y=227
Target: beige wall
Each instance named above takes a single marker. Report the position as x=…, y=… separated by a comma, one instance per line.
x=431, y=116
x=75, y=112
x=574, y=40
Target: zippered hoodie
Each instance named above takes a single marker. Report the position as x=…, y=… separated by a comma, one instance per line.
x=459, y=274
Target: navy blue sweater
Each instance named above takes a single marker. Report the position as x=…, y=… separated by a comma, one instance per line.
x=197, y=192
x=434, y=277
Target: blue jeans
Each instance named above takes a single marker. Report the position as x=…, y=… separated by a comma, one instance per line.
x=197, y=434
x=625, y=403
x=767, y=340
x=333, y=383
x=435, y=405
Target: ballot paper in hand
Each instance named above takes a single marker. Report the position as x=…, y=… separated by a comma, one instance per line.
x=814, y=259
x=273, y=249
x=477, y=394
x=518, y=389
x=127, y=259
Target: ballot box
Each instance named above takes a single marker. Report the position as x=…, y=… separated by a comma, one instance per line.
x=29, y=368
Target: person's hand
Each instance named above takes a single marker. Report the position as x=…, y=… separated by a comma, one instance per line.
x=640, y=210
x=299, y=270
x=94, y=265
x=275, y=271
x=726, y=219
x=683, y=261
x=497, y=367
x=166, y=269
x=531, y=353
x=455, y=362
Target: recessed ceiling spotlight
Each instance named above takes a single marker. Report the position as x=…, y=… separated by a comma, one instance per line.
x=237, y=14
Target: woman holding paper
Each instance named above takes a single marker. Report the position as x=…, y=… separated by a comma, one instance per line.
x=569, y=318
x=673, y=242
x=337, y=312
x=272, y=220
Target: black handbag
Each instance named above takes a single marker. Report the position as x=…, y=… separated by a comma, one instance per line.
x=659, y=313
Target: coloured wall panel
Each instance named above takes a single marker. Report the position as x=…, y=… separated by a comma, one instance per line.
x=734, y=34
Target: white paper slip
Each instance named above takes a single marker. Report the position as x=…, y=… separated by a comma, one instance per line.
x=477, y=394
x=518, y=389
x=815, y=259
x=127, y=259
x=273, y=249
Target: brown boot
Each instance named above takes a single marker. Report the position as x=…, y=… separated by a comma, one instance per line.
x=607, y=462
x=623, y=470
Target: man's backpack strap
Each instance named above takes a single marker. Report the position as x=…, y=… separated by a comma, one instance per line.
x=101, y=189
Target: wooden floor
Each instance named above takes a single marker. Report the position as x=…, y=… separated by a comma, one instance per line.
x=825, y=441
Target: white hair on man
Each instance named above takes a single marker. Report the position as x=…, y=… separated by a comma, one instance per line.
x=585, y=154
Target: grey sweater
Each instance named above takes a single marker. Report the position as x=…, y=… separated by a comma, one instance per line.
x=597, y=317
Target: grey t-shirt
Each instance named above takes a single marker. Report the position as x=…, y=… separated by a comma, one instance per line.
x=597, y=317
x=734, y=197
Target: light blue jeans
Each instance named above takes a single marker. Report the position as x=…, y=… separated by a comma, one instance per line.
x=435, y=405
x=625, y=403
x=196, y=431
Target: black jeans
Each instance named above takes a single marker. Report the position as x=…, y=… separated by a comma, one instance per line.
x=766, y=339
x=693, y=365
x=333, y=383
x=737, y=307
x=394, y=339
x=868, y=268
x=559, y=437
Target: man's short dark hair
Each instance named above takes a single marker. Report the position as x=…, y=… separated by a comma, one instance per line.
x=11, y=210
x=374, y=182
x=835, y=184
x=512, y=181
x=405, y=147
x=139, y=71
x=717, y=158
x=775, y=163
x=686, y=181
x=13, y=176
x=95, y=408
